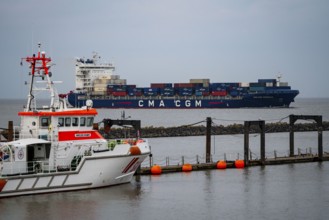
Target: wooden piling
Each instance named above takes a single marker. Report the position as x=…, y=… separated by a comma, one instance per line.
x=10, y=131
x=208, y=140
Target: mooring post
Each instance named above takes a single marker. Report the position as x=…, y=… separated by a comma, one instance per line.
x=291, y=135
x=262, y=141
x=318, y=120
x=246, y=143
x=261, y=125
x=320, y=138
x=10, y=131
x=208, y=140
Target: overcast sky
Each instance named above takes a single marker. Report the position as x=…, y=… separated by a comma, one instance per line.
x=153, y=41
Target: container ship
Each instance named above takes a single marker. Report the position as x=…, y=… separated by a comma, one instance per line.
x=97, y=82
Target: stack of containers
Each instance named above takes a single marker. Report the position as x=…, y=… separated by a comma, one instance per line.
x=184, y=89
x=119, y=90
x=135, y=91
x=218, y=89
x=99, y=85
x=148, y=91
x=164, y=89
x=201, y=86
x=257, y=86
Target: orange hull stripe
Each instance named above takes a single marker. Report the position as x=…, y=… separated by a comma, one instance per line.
x=78, y=135
x=63, y=113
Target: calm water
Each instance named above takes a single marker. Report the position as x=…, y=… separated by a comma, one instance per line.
x=298, y=191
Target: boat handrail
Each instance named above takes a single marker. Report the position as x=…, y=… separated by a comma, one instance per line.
x=34, y=167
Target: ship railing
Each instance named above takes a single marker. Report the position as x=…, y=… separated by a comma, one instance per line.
x=37, y=167
x=25, y=168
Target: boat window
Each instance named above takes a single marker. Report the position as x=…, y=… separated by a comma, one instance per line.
x=75, y=121
x=82, y=121
x=90, y=121
x=68, y=122
x=45, y=121
x=60, y=122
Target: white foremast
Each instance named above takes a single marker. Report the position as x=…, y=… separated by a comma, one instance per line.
x=40, y=66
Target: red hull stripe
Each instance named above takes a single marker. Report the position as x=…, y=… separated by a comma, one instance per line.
x=91, y=111
x=2, y=184
x=132, y=162
x=78, y=135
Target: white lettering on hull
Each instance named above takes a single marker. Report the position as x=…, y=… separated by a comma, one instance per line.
x=176, y=103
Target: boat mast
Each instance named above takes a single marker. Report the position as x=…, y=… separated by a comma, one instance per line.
x=39, y=66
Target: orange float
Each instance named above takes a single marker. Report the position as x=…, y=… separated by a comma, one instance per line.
x=239, y=164
x=187, y=167
x=134, y=150
x=221, y=164
x=156, y=170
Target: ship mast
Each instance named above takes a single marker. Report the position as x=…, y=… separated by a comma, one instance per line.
x=39, y=66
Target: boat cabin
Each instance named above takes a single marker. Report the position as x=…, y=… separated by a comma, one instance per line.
x=25, y=156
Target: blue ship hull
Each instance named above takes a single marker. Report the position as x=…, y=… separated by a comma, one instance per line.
x=257, y=100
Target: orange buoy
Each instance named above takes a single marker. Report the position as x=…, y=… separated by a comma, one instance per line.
x=134, y=150
x=187, y=167
x=221, y=164
x=239, y=164
x=156, y=170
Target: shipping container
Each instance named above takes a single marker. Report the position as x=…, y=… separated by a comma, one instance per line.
x=283, y=84
x=183, y=85
x=166, y=91
x=281, y=88
x=201, y=82
x=217, y=88
x=234, y=93
x=161, y=85
x=219, y=93
x=244, y=84
x=256, y=84
x=202, y=89
x=273, y=81
x=185, y=93
x=135, y=93
x=257, y=89
x=150, y=91
x=117, y=93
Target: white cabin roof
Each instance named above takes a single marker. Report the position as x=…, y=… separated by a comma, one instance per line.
x=28, y=141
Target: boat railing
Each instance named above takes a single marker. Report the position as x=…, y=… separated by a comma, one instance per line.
x=37, y=167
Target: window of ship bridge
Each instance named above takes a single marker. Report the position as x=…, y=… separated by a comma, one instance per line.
x=75, y=121
x=82, y=121
x=44, y=122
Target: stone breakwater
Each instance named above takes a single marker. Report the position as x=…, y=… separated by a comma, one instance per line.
x=152, y=132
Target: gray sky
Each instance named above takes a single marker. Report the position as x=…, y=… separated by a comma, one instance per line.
x=152, y=41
